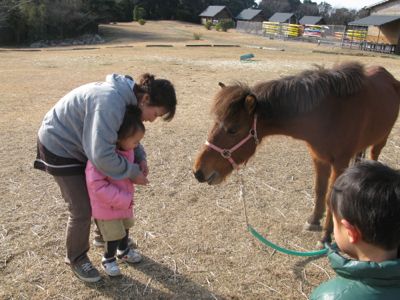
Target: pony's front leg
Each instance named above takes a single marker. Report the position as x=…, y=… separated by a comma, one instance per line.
x=337, y=169
x=322, y=174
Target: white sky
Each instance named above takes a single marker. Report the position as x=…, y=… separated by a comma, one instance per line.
x=350, y=4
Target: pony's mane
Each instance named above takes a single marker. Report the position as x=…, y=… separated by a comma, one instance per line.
x=301, y=93
x=292, y=95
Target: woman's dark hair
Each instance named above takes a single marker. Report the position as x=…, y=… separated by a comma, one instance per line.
x=367, y=195
x=132, y=122
x=161, y=92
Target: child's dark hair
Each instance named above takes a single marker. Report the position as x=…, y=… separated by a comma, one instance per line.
x=132, y=122
x=161, y=92
x=367, y=195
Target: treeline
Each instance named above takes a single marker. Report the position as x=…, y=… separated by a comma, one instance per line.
x=24, y=21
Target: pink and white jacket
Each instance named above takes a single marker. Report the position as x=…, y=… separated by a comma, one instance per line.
x=110, y=199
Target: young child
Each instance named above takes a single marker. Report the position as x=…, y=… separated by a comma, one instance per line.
x=365, y=203
x=112, y=199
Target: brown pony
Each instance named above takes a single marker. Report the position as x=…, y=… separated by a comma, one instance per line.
x=338, y=112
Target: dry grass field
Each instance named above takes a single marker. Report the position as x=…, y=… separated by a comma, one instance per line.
x=193, y=237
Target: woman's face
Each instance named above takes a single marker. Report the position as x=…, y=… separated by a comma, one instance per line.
x=150, y=113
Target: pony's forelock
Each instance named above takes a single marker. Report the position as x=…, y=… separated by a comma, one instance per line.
x=229, y=100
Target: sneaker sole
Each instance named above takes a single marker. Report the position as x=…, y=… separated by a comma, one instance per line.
x=112, y=275
x=86, y=279
x=130, y=262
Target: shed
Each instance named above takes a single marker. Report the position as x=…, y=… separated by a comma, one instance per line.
x=283, y=18
x=380, y=28
x=386, y=7
x=216, y=13
x=250, y=15
x=312, y=20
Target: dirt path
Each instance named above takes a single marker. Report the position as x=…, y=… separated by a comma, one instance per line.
x=192, y=236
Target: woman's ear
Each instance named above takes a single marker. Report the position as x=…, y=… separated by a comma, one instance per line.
x=145, y=100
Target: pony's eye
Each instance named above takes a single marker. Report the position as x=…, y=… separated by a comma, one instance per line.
x=232, y=130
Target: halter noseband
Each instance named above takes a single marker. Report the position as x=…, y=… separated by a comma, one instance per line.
x=227, y=153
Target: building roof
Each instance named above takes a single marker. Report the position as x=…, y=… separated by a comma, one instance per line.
x=248, y=14
x=212, y=10
x=375, y=20
x=311, y=20
x=376, y=4
x=280, y=17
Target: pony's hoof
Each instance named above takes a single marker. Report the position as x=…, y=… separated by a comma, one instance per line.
x=320, y=245
x=312, y=227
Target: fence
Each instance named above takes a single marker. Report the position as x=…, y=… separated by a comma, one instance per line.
x=332, y=34
x=339, y=35
x=249, y=27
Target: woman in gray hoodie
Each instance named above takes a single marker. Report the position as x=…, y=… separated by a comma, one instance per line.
x=83, y=125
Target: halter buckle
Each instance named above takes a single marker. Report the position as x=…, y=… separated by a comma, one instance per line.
x=226, y=153
x=253, y=133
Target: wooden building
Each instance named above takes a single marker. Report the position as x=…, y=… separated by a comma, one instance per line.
x=312, y=20
x=216, y=13
x=251, y=15
x=387, y=7
x=283, y=18
x=382, y=26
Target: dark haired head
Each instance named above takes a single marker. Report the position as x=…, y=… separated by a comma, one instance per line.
x=367, y=195
x=161, y=92
x=131, y=123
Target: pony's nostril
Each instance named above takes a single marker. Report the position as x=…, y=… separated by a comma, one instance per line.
x=199, y=176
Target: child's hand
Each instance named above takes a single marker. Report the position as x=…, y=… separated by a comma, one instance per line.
x=144, y=168
x=140, y=179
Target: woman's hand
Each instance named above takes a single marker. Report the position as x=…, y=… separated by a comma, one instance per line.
x=140, y=179
x=144, y=168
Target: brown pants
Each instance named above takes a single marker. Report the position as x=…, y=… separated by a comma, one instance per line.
x=75, y=194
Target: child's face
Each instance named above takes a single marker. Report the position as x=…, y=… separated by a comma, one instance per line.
x=132, y=141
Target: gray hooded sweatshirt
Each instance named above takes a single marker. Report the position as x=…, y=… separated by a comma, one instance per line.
x=84, y=125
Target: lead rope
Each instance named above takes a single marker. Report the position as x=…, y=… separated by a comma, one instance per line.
x=242, y=198
x=265, y=241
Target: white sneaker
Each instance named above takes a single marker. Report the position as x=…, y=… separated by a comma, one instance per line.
x=129, y=255
x=110, y=266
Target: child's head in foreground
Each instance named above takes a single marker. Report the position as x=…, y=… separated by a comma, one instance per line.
x=365, y=203
x=132, y=129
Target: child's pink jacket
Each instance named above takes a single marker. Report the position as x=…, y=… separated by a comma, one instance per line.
x=110, y=199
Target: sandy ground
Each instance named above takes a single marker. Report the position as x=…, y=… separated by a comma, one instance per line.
x=193, y=237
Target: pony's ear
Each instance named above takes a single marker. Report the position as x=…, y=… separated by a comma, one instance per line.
x=250, y=103
x=221, y=84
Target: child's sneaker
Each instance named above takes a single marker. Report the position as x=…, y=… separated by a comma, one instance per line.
x=110, y=266
x=129, y=255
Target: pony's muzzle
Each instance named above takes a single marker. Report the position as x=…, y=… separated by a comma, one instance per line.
x=199, y=176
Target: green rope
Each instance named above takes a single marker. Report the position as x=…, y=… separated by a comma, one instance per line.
x=268, y=243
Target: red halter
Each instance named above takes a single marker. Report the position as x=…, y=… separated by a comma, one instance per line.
x=227, y=153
